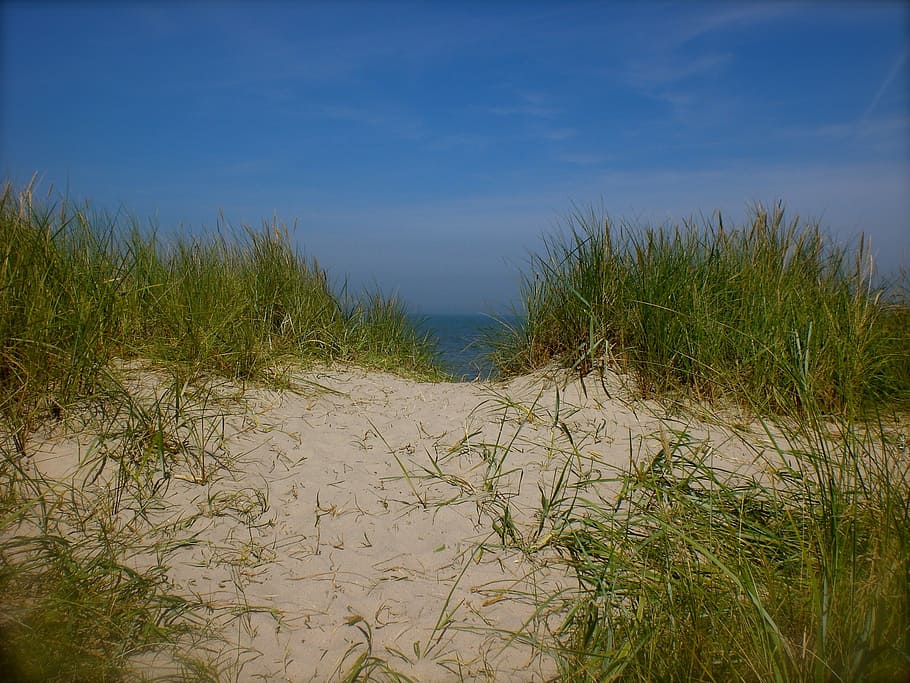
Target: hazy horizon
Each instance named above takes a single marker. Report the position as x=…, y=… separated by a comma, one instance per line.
x=424, y=149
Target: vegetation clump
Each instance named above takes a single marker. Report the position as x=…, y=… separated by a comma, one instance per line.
x=770, y=314
x=696, y=573
x=81, y=290
x=83, y=297
x=795, y=570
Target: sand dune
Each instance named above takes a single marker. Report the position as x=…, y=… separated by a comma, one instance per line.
x=369, y=520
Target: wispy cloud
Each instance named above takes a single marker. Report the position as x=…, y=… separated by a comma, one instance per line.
x=581, y=158
x=527, y=104
x=404, y=125
x=399, y=123
x=533, y=110
x=881, y=134
x=676, y=68
x=670, y=69
x=555, y=134
x=724, y=17
x=896, y=67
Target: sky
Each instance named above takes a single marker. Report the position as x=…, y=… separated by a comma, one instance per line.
x=424, y=149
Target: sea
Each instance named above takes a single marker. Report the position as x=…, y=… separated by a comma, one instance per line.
x=461, y=346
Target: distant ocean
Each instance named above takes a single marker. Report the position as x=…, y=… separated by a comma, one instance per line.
x=461, y=348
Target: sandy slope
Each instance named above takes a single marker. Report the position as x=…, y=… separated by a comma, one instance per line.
x=366, y=514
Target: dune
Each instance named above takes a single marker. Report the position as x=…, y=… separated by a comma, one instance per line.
x=365, y=521
x=163, y=522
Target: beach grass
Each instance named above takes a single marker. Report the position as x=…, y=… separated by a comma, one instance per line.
x=85, y=296
x=771, y=314
x=797, y=569
x=82, y=290
x=84, y=584
x=695, y=573
x=777, y=552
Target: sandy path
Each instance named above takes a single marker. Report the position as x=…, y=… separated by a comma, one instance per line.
x=365, y=517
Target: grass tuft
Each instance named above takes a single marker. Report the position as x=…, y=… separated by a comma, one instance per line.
x=771, y=314
x=85, y=298
x=81, y=290
x=795, y=571
x=697, y=574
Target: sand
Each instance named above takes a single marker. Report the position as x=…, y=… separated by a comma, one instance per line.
x=369, y=520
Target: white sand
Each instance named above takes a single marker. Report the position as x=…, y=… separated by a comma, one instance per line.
x=361, y=514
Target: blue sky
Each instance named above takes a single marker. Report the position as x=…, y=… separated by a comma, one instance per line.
x=425, y=148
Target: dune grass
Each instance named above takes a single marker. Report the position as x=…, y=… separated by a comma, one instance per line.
x=85, y=296
x=772, y=551
x=697, y=574
x=81, y=290
x=84, y=587
x=692, y=563
x=767, y=314
x=799, y=572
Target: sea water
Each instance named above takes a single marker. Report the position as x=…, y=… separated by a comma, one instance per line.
x=462, y=349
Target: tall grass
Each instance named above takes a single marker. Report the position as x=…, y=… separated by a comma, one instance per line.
x=693, y=573
x=84, y=587
x=799, y=571
x=75, y=610
x=795, y=567
x=772, y=311
x=82, y=289
x=82, y=294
